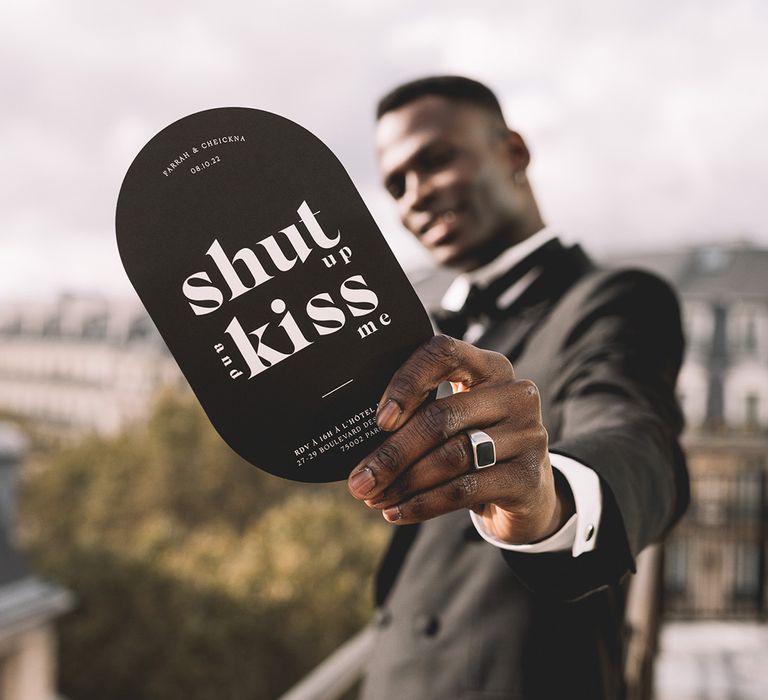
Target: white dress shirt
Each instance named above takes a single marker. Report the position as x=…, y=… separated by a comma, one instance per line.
x=579, y=534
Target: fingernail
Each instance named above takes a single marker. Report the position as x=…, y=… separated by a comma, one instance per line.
x=389, y=414
x=393, y=513
x=362, y=482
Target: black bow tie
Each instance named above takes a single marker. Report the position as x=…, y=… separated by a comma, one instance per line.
x=481, y=302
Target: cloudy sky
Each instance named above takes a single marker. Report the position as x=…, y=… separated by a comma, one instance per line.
x=647, y=120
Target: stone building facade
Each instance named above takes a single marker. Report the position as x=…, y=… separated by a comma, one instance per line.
x=81, y=364
x=715, y=563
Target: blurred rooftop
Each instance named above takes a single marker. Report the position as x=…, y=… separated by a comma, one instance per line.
x=725, y=271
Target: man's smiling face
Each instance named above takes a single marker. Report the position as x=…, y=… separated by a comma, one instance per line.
x=450, y=167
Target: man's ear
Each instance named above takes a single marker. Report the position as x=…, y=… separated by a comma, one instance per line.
x=519, y=156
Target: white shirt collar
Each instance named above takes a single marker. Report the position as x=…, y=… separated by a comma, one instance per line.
x=456, y=294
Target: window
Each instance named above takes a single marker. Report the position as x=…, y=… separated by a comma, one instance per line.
x=750, y=336
x=752, y=413
x=676, y=565
x=746, y=578
x=747, y=496
x=139, y=329
x=95, y=328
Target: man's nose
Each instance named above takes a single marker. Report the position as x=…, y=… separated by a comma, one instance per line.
x=420, y=190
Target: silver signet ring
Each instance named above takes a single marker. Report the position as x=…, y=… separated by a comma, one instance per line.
x=483, y=448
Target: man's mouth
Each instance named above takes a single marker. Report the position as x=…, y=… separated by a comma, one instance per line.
x=438, y=229
x=448, y=216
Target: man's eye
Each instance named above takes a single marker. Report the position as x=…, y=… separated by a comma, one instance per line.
x=396, y=188
x=438, y=159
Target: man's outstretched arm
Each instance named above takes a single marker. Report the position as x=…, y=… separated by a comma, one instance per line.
x=614, y=392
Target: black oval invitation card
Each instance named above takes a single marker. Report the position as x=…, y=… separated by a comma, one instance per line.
x=271, y=284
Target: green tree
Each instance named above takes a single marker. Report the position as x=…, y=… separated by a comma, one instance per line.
x=197, y=576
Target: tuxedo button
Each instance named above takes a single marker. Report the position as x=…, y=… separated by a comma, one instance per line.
x=382, y=617
x=589, y=532
x=426, y=625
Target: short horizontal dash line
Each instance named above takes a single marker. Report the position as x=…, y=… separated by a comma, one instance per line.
x=337, y=388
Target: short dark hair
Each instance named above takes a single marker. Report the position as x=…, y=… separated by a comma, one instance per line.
x=454, y=87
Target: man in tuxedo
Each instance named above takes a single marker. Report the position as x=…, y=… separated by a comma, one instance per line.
x=523, y=497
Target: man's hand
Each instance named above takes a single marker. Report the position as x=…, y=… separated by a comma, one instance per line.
x=426, y=468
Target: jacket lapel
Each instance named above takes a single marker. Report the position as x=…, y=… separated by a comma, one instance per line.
x=510, y=331
x=399, y=544
x=508, y=336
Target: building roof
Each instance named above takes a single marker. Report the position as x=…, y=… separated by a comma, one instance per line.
x=30, y=602
x=92, y=318
x=734, y=271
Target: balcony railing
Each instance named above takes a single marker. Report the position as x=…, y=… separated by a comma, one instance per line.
x=338, y=673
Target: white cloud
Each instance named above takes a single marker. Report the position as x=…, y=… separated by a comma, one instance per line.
x=646, y=120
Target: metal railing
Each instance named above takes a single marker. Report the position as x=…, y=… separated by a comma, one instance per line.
x=642, y=618
x=715, y=558
x=338, y=673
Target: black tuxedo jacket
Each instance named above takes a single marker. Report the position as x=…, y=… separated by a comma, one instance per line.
x=459, y=618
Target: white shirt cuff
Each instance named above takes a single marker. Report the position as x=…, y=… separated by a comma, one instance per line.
x=579, y=534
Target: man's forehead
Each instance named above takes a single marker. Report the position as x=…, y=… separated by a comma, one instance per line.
x=395, y=146
x=430, y=112
x=401, y=132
